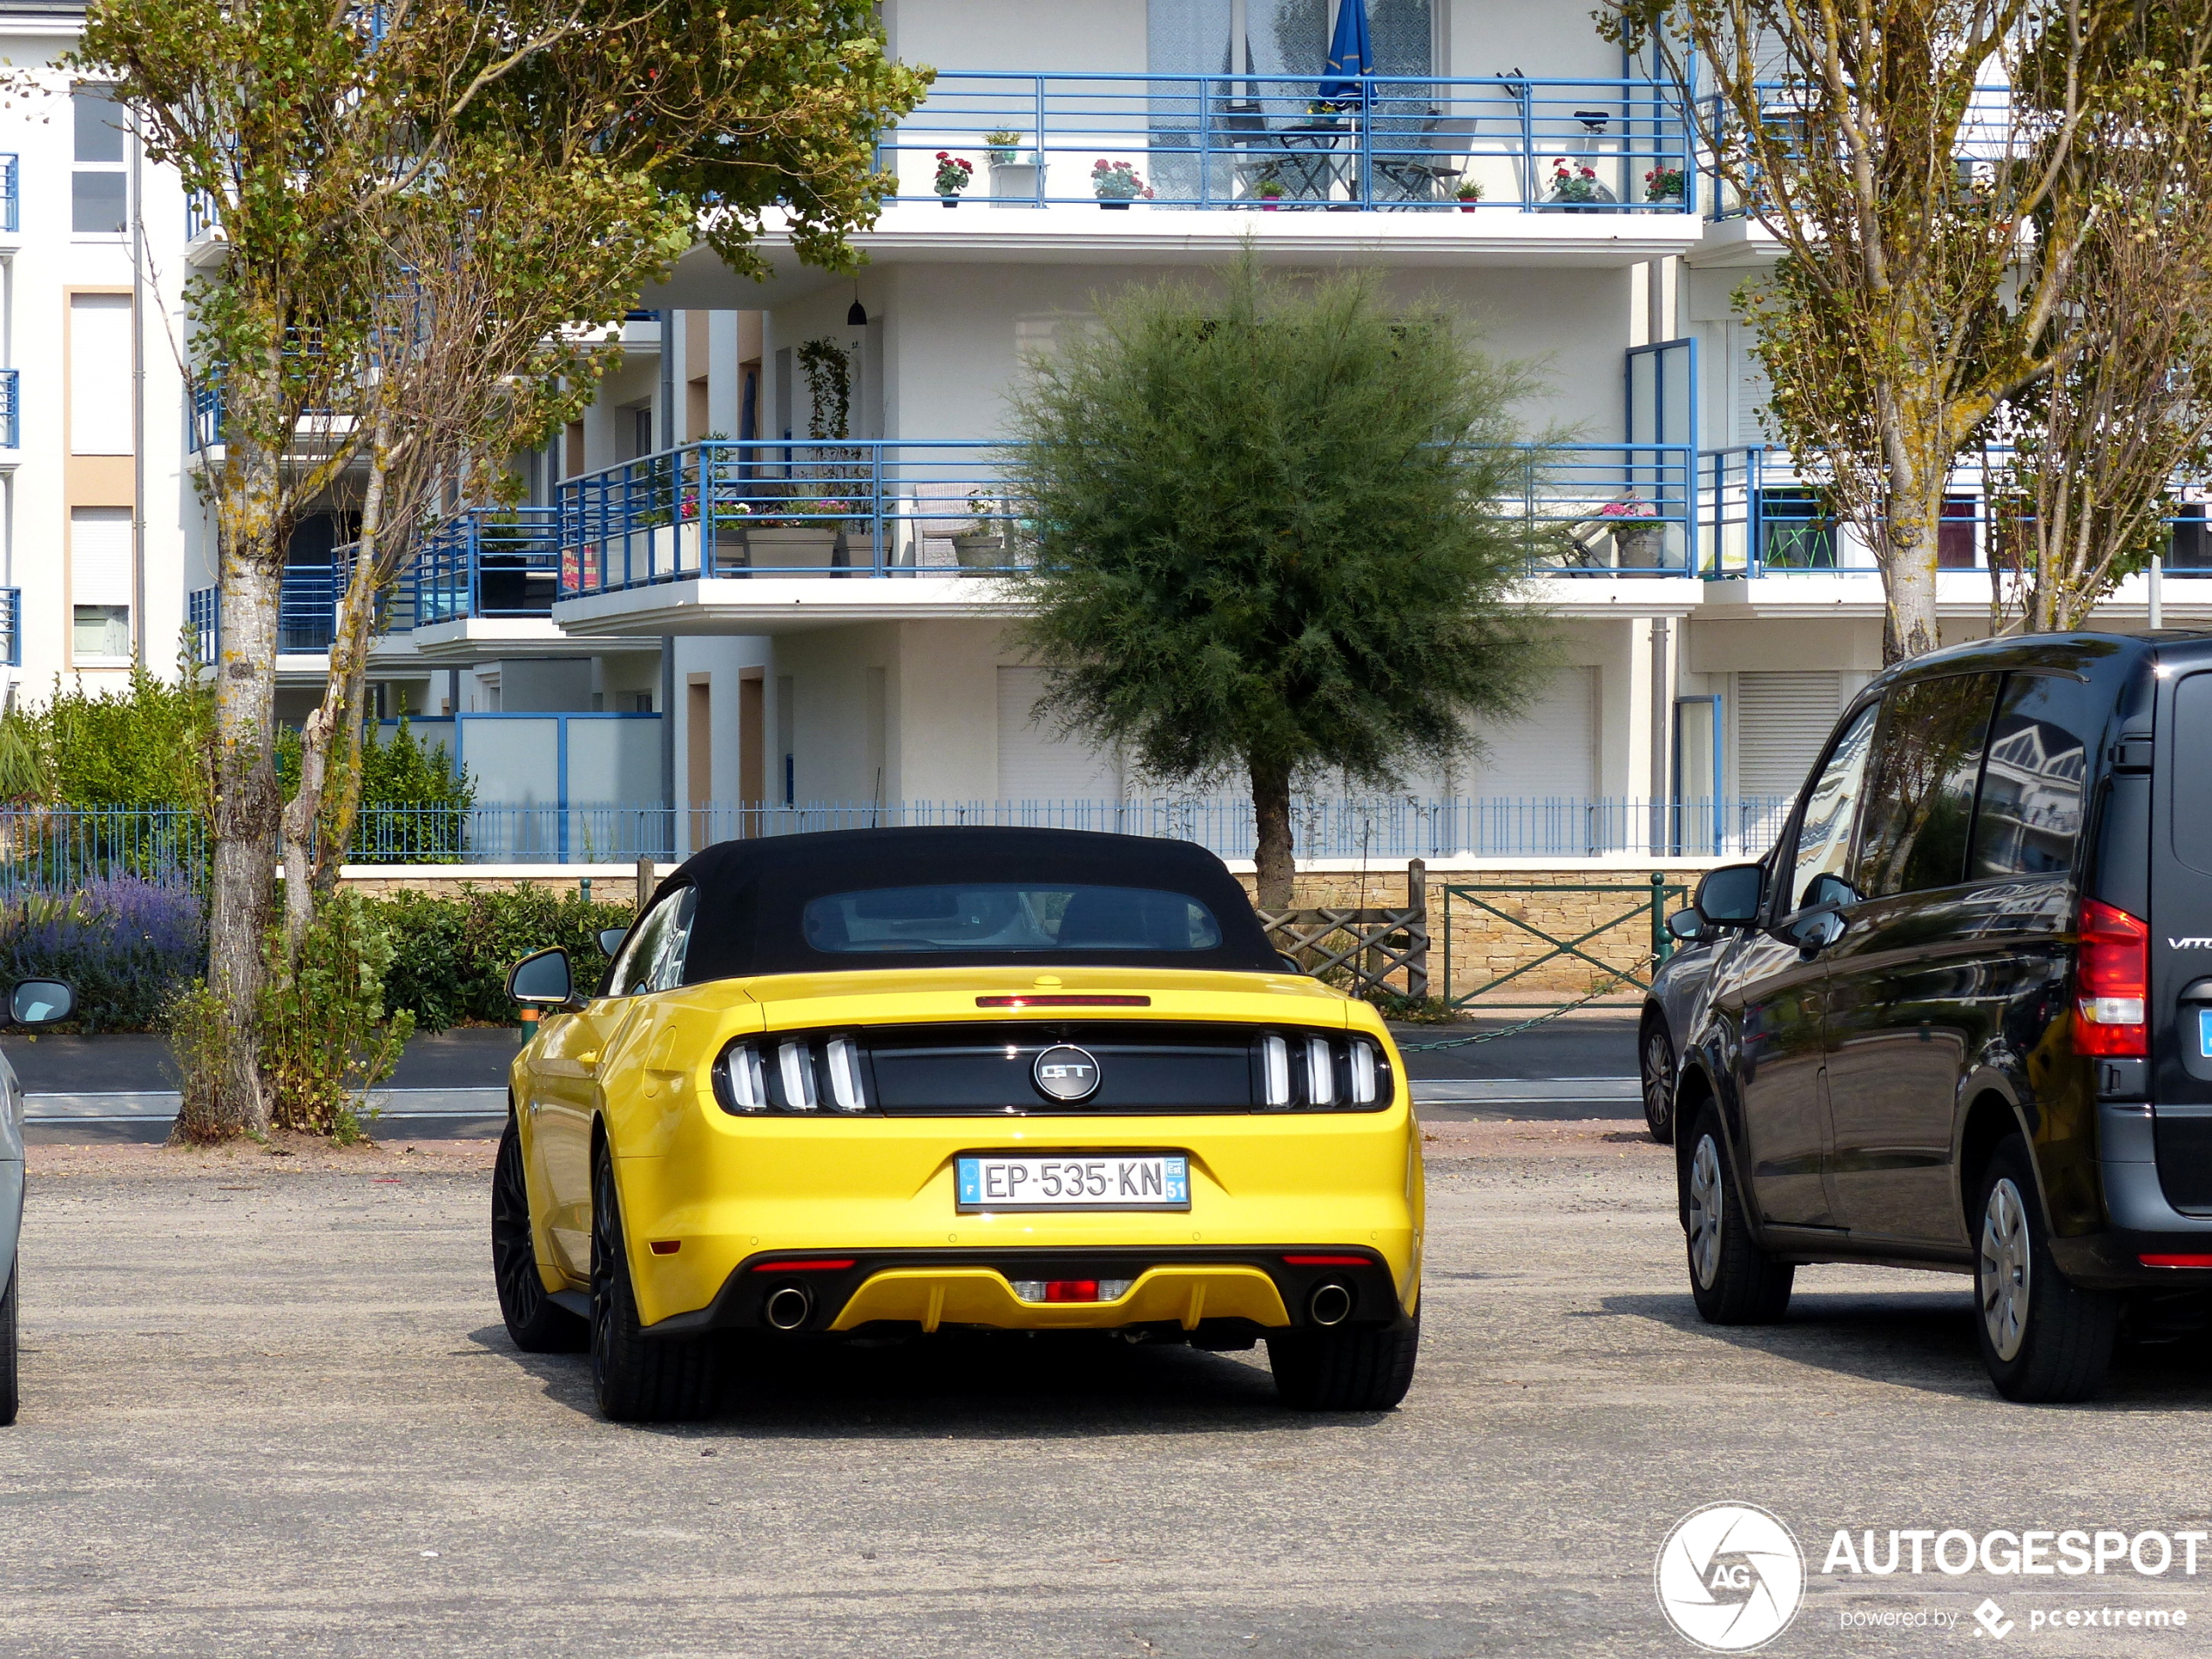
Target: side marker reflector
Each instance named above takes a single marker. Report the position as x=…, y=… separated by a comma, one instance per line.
x=667, y=1246
x=2175, y=1261
x=838, y=1267
x=1328, y=1261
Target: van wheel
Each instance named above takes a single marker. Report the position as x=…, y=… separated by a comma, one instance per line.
x=1657, y=1065
x=2043, y=1339
x=8, y=1394
x=535, y=1322
x=1733, y=1281
x=1345, y=1370
x=634, y=1378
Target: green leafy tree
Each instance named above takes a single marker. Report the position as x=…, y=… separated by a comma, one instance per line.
x=1268, y=540
x=336, y=145
x=1914, y=293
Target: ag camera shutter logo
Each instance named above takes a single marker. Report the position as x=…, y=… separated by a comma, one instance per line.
x=1730, y=1577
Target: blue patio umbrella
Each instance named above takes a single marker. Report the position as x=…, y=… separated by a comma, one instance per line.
x=1349, y=53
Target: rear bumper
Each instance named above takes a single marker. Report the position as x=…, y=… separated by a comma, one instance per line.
x=2142, y=1220
x=1201, y=1291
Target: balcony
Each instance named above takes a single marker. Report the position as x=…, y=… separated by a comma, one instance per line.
x=307, y=613
x=11, y=627
x=486, y=562
x=1299, y=144
x=1988, y=134
x=10, y=197
x=941, y=510
x=10, y=409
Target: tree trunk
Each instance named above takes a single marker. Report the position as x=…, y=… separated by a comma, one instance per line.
x=1908, y=559
x=1271, y=815
x=328, y=799
x=226, y=1099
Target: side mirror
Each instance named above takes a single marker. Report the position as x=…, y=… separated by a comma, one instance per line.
x=543, y=980
x=1731, y=896
x=1687, y=925
x=1827, y=889
x=611, y=939
x=41, y=1001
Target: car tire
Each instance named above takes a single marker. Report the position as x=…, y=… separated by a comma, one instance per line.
x=535, y=1323
x=634, y=1378
x=1733, y=1281
x=1345, y=1370
x=2044, y=1339
x=1655, y=1070
x=10, y=1399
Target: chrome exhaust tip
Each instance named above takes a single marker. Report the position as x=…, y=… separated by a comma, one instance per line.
x=1330, y=1304
x=787, y=1308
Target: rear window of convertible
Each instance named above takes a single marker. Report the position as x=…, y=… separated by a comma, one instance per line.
x=1009, y=916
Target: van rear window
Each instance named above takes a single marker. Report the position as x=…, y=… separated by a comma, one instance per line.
x=2035, y=784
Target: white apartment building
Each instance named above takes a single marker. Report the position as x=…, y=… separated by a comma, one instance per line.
x=777, y=528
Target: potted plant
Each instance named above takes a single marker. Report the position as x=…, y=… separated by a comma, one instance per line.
x=953, y=173
x=1639, y=537
x=1270, y=192
x=1467, y=194
x=1001, y=146
x=982, y=545
x=1663, y=184
x=808, y=535
x=1116, y=184
x=1576, y=188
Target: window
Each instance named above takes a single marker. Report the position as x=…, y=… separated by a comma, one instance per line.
x=100, y=582
x=2033, y=790
x=98, y=187
x=653, y=960
x=995, y=916
x=1823, y=836
x=1920, y=803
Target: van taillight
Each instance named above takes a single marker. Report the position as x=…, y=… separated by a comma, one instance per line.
x=2111, y=981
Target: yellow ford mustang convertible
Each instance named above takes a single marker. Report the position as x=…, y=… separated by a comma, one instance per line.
x=928, y=1079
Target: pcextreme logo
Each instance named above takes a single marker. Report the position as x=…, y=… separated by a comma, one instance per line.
x=1730, y=1577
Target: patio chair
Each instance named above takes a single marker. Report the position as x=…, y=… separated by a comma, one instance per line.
x=1418, y=166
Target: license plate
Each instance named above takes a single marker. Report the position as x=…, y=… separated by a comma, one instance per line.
x=1118, y=1180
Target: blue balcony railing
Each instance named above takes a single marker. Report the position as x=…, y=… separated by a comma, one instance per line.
x=898, y=507
x=11, y=627
x=307, y=606
x=1990, y=131
x=206, y=415
x=11, y=409
x=1251, y=141
x=1763, y=518
x=489, y=562
x=11, y=198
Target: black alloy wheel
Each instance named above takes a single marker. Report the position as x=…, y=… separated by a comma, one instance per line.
x=2044, y=1340
x=9, y=1397
x=634, y=1378
x=1345, y=1370
x=1656, y=1064
x=535, y=1321
x=1732, y=1280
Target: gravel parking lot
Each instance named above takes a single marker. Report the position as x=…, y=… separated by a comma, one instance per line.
x=269, y=1408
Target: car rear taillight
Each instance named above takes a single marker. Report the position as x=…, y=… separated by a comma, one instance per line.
x=2111, y=983
x=1310, y=1072
x=793, y=1075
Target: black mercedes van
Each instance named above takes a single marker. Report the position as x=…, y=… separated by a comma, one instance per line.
x=1961, y=1014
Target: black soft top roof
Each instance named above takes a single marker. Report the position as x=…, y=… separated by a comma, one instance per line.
x=752, y=894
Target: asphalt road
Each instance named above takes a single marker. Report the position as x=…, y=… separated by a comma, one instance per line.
x=122, y=1089
x=275, y=1413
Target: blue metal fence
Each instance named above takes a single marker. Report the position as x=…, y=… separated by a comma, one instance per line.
x=1280, y=142
x=10, y=409
x=10, y=197
x=11, y=622
x=904, y=508
x=1990, y=132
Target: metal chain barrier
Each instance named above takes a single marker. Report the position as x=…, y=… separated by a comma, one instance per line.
x=1530, y=1025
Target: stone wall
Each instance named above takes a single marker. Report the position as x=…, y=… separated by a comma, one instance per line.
x=1483, y=947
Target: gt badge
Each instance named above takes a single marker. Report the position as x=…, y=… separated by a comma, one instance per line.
x=1065, y=1072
